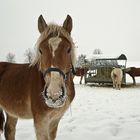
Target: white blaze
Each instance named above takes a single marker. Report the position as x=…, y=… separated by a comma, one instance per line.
x=54, y=43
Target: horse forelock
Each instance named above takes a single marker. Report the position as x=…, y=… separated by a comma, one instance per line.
x=54, y=30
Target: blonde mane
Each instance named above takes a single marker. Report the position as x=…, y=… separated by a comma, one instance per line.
x=54, y=30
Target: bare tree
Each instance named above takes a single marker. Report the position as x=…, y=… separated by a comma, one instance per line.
x=10, y=57
x=97, y=51
x=81, y=60
x=28, y=55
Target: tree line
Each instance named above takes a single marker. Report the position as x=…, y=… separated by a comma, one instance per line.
x=29, y=55
x=82, y=57
x=10, y=57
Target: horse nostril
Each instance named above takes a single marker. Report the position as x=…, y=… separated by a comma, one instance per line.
x=62, y=93
x=46, y=96
x=45, y=93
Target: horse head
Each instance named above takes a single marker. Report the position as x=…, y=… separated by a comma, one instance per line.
x=55, y=57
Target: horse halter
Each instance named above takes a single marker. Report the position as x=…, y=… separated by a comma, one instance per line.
x=64, y=75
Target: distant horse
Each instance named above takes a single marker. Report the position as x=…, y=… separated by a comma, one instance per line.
x=43, y=90
x=80, y=72
x=117, y=76
x=133, y=72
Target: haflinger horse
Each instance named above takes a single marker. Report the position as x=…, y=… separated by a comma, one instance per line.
x=117, y=76
x=133, y=72
x=43, y=90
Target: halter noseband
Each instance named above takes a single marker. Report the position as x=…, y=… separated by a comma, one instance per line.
x=54, y=70
x=50, y=69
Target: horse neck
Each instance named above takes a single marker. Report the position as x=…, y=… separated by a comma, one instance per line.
x=37, y=76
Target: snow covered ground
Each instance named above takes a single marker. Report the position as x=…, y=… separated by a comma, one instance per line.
x=102, y=113
x=97, y=113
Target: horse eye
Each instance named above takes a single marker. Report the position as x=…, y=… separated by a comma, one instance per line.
x=69, y=49
x=40, y=51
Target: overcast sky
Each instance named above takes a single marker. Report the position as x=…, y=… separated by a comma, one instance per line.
x=110, y=25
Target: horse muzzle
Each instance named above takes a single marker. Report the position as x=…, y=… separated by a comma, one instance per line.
x=55, y=99
x=55, y=88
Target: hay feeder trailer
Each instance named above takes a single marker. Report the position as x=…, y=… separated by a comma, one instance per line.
x=100, y=69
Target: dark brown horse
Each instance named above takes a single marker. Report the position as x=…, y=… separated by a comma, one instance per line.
x=133, y=72
x=43, y=90
x=80, y=72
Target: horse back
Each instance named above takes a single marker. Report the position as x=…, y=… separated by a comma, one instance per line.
x=13, y=73
x=133, y=71
x=117, y=73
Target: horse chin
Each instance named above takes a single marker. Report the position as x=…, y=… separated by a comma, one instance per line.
x=55, y=104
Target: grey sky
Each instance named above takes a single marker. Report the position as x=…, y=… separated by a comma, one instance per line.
x=110, y=25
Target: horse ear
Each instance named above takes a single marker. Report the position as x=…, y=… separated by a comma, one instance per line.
x=41, y=24
x=67, y=25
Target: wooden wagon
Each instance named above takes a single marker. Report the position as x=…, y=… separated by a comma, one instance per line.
x=99, y=69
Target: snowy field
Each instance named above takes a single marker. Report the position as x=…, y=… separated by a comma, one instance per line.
x=97, y=113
